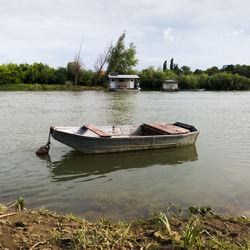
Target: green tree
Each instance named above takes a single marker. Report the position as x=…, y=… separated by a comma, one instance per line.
x=164, y=68
x=186, y=70
x=198, y=72
x=213, y=70
x=122, y=60
x=176, y=69
x=172, y=64
x=61, y=75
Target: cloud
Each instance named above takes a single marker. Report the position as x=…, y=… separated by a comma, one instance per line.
x=51, y=31
x=238, y=32
x=168, y=34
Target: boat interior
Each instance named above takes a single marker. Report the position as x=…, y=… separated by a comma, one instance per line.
x=146, y=129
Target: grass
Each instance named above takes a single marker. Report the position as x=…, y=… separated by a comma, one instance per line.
x=46, y=87
x=192, y=234
x=19, y=205
x=200, y=230
x=3, y=208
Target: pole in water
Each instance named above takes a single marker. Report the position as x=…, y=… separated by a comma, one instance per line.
x=44, y=150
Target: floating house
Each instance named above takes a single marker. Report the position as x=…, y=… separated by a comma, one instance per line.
x=123, y=82
x=170, y=85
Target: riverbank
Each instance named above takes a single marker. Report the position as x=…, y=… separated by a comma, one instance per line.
x=43, y=229
x=46, y=87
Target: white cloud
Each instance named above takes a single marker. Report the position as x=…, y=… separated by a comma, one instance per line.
x=168, y=34
x=238, y=32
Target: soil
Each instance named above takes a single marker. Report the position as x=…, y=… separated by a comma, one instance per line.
x=42, y=229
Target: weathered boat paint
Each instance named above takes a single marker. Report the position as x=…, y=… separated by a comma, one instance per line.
x=124, y=138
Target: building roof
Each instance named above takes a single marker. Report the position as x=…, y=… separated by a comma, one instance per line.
x=123, y=76
x=170, y=81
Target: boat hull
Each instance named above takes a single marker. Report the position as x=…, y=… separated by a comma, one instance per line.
x=125, y=89
x=87, y=144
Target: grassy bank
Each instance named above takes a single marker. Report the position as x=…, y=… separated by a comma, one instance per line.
x=46, y=87
x=42, y=229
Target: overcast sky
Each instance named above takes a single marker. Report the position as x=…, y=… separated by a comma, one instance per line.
x=196, y=33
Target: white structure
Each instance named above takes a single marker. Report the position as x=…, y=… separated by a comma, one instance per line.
x=170, y=85
x=123, y=82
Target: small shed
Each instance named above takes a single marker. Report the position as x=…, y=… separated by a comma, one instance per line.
x=170, y=85
x=123, y=82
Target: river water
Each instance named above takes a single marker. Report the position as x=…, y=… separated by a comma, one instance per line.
x=214, y=172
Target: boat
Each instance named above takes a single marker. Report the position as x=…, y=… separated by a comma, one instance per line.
x=125, y=89
x=192, y=90
x=107, y=139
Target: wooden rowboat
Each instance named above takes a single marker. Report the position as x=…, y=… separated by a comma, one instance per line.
x=107, y=139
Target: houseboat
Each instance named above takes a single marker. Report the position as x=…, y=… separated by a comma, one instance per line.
x=170, y=85
x=123, y=82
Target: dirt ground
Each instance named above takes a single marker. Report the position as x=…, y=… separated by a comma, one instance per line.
x=41, y=229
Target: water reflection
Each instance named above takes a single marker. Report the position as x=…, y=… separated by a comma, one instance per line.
x=75, y=165
x=121, y=108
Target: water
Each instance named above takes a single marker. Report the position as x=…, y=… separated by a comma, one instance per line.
x=215, y=172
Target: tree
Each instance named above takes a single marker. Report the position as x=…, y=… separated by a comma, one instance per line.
x=101, y=61
x=176, y=68
x=230, y=68
x=198, y=72
x=213, y=70
x=61, y=75
x=172, y=64
x=164, y=68
x=186, y=70
x=122, y=60
x=77, y=65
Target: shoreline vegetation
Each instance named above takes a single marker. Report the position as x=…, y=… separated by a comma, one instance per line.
x=118, y=58
x=46, y=87
x=43, y=229
x=38, y=76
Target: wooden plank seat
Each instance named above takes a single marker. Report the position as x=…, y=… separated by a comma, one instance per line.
x=164, y=128
x=97, y=131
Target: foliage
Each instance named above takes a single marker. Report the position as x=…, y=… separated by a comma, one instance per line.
x=163, y=219
x=194, y=229
x=172, y=64
x=186, y=70
x=152, y=79
x=19, y=205
x=164, y=67
x=86, y=77
x=229, y=78
x=120, y=59
x=202, y=210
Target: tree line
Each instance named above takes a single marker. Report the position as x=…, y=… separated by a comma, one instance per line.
x=118, y=58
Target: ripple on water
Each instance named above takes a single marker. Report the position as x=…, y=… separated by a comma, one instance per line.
x=129, y=185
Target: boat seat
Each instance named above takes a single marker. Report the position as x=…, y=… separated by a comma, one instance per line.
x=97, y=131
x=164, y=128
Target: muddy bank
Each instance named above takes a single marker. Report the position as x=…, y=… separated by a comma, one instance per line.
x=42, y=229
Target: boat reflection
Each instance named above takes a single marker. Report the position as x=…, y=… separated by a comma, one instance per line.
x=75, y=165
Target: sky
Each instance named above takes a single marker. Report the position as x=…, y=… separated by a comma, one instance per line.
x=196, y=33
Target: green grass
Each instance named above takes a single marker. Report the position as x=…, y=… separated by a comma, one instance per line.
x=19, y=205
x=46, y=87
x=193, y=230
x=202, y=229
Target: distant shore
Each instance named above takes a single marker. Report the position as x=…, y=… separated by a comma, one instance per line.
x=46, y=87
x=40, y=229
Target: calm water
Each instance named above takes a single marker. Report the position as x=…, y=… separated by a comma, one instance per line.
x=215, y=172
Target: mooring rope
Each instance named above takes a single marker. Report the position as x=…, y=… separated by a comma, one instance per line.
x=45, y=149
